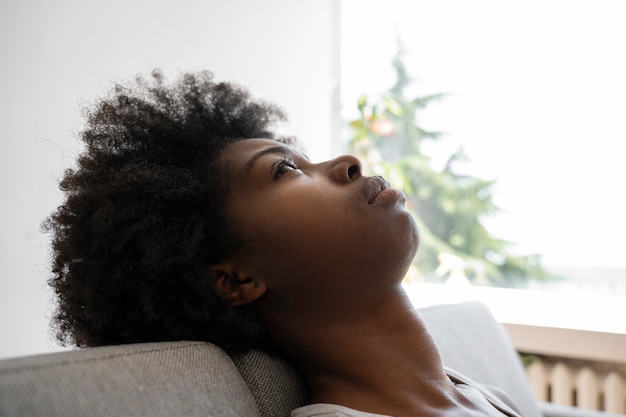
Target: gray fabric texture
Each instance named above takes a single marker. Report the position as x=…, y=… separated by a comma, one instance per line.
x=273, y=383
x=154, y=379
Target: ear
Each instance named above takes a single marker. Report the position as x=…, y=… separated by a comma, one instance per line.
x=234, y=287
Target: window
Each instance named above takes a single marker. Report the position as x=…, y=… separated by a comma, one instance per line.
x=536, y=96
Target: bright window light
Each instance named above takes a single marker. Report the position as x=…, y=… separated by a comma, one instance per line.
x=536, y=97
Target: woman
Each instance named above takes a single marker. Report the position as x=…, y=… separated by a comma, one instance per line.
x=186, y=218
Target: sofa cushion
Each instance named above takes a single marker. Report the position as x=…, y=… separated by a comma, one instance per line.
x=472, y=342
x=152, y=379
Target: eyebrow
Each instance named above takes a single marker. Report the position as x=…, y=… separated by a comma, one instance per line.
x=274, y=150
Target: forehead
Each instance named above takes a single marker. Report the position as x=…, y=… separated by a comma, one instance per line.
x=236, y=158
x=242, y=155
x=249, y=147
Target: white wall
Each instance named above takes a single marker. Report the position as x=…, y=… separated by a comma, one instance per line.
x=58, y=54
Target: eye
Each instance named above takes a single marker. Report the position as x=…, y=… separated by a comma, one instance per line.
x=283, y=166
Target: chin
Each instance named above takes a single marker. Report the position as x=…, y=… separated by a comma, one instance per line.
x=409, y=246
x=413, y=239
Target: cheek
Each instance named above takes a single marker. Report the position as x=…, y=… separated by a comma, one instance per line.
x=325, y=233
x=294, y=229
x=299, y=230
x=318, y=242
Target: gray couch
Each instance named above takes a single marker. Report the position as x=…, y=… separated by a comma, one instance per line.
x=198, y=379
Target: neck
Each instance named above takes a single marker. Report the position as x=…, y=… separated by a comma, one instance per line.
x=372, y=360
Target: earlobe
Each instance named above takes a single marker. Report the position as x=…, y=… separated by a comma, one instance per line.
x=237, y=290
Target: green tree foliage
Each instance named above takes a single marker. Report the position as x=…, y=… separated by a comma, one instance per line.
x=447, y=205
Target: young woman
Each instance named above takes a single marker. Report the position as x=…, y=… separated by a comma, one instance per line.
x=186, y=218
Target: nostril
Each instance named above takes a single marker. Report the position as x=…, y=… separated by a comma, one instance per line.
x=353, y=172
x=345, y=168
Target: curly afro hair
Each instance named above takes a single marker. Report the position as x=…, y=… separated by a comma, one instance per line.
x=142, y=216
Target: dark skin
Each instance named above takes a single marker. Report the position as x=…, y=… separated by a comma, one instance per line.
x=325, y=252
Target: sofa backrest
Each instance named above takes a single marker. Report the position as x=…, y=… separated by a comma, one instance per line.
x=472, y=342
x=199, y=379
x=153, y=379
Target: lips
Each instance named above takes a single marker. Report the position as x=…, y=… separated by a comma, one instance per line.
x=375, y=186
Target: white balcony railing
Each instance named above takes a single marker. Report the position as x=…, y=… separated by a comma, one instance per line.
x=585, y=384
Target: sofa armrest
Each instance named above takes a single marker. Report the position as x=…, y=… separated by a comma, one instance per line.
x=555, y=410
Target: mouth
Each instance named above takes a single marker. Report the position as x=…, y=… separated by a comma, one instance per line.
x=374, y=187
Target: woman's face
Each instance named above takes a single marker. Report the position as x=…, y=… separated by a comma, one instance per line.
x=315, y=229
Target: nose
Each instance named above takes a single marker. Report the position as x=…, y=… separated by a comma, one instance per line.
x=345, y=168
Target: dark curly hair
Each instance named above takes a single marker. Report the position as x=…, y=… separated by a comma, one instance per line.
x=142, y=216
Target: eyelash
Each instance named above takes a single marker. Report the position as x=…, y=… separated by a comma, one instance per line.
x=279, y=167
